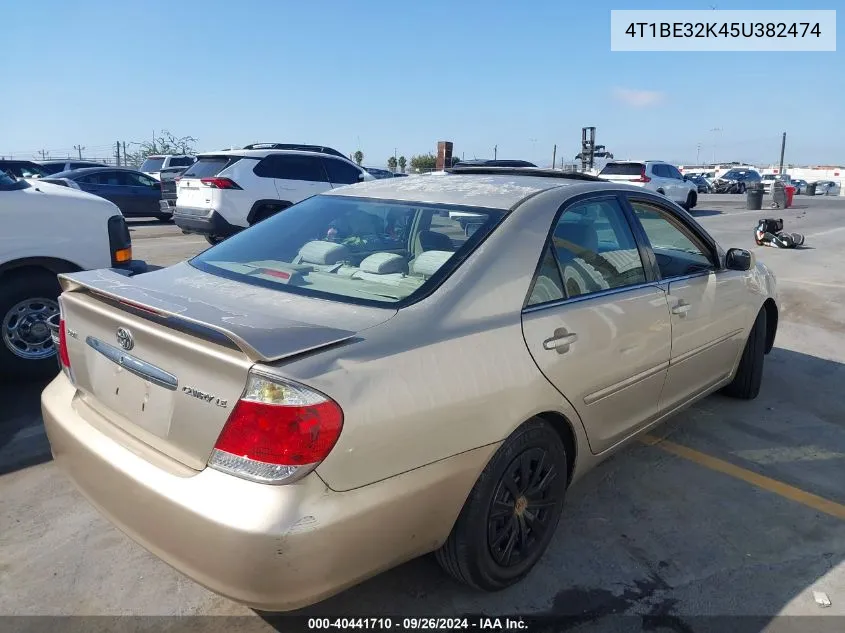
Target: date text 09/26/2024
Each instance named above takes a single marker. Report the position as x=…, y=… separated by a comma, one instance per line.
x=419, y=624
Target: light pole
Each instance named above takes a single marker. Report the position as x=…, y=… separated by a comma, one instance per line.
x=698, y=154
x=715, y=131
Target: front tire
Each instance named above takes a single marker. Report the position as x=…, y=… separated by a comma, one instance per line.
x=511, y=513
x=214, y=240
x=749, y=374
x=26, y=302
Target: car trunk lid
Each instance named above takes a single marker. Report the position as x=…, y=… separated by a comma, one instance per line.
x=164, y=356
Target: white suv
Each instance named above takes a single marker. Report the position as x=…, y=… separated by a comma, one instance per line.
x=154, y=164
x=228, y=191
x=655, y=175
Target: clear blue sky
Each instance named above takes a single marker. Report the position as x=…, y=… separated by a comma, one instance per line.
x=376, y=75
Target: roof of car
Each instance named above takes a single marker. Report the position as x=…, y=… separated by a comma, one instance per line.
x=91, y=170
x=261, y=153
x=485, y=189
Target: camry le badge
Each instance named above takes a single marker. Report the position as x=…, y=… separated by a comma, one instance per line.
x=124, y=338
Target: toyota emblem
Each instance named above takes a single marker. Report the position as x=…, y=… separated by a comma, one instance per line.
x=124, y=338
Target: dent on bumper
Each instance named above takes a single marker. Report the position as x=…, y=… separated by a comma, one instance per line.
x=270, y=547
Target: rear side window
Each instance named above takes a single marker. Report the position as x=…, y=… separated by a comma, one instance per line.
x=291, y=167
x=340, y=172
x=622, y=169
x=152, y=164
x=55, y=168
x=210, y=166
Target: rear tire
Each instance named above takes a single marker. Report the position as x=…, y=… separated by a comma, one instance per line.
x=511, y=513
x=213, y=239
x=24, y=299
x=165, y=217
x=749, y=374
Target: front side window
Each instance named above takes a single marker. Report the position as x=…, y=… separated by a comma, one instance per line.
x=678, y=251
x=350, y=249
x=594, y=249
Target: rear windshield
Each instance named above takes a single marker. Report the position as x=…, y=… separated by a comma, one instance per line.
x=181, y=162
x=353, y=249
x=622, y=169
x=152, y=164
x=210, y=166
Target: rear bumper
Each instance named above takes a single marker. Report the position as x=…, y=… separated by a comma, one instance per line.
x=167, y=206
x=210, y=224
x=274, y=548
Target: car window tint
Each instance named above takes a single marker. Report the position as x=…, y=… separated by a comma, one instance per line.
x=596, y=249
x=291, y=167
x=181, y=162
x=340, y=172
x=677, y=250
x=548, y=284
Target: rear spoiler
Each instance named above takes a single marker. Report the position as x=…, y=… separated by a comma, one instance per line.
x=259, y=335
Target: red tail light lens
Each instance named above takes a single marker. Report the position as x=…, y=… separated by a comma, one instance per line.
x=63, y=355
x=643, y=177
x=278, y=432
x=220, y=183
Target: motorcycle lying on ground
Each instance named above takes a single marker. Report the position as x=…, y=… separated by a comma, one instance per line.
x=769, y=232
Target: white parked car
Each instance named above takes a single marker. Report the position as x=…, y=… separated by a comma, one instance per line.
x=225, y=192
x=154, y=164
x=655, y=175
x=46, y=230
x=769, y=179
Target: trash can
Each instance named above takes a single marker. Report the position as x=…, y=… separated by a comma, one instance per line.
x=778, y=195
x=790, y=195
x=811, y=189
x=754, y=196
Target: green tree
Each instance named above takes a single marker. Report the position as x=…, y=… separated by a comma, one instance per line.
x=402, y=164
x=391, y=163
x=164, y=143
x=423, y=162
x=359, y=157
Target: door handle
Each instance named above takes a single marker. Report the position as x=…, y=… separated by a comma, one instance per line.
x=561, y=341
x=681, y=308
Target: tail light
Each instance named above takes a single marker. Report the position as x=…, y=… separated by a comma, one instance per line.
x=643, y=177
x=278, y=432
x=64, y=357
x=220, y=183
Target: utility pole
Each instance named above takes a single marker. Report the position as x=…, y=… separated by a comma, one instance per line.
x=554, y=156
x=495, y=151
x=715, y=131
x=124, y=154
x=79, y=149
x=698, y=154
x=782, y=149
x=44, y=154
x=117, y=152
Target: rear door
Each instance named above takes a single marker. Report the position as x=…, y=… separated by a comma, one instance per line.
x=340, y=172
x=296, y=176
x=597, y=323
x=109, y=185
x=708, y=305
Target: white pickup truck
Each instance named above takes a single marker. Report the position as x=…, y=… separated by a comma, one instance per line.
x=45, y=230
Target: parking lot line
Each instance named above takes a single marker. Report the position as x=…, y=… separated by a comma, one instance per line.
x=760, y=481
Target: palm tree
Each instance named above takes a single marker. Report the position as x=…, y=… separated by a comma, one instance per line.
x=402, y=163
x=391, y=164
x=359, y=157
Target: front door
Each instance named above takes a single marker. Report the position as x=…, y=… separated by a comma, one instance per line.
x=597, y=324
x=708, y=305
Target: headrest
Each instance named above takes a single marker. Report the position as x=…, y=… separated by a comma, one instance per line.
x=429, y=262
x=384, y=264
x=434, y=241
x=579, y=233
x=323, y=253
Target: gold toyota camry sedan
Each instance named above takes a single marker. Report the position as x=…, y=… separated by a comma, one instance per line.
x=394, y=368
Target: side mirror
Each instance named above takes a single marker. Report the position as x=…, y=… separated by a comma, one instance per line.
x=739, y=259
